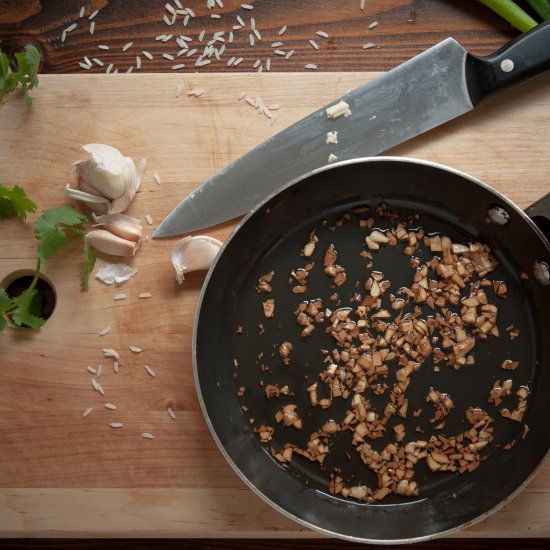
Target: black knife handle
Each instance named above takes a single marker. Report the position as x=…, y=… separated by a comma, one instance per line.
x=523, y=58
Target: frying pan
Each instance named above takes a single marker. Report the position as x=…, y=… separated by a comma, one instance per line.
x=235, y=346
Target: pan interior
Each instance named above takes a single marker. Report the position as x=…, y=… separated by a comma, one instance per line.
x=233, y=377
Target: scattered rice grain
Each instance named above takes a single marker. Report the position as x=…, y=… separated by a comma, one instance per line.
x=289, y=54
x=127, y=46
x=147, y=435
x=314, y=44
x=103, y=47
x=279, y=52
x=117, y=424
x=247, y=6
x=362, y=4
x=171, y=413
x=373, y=25
x=99, y=371
x=257, y=63
x=251, y=39
x=135, y=349
x=168, y=56
x=268, y=64
x=156, y=177
x=98, y=61
x=97, y=386
x=150, y=371
x=87, y=412
x=71, y=27
x=167, y=20
x=109, y=68
x=178, y=66
x=311, y=66
x=322, y=34
x=138, y=62
x=91, y=369
x=92, y=27
x=201, y=35
x=147, y=54
x=145, y=295
x=282, y=30
x=149, y=219
x=119, y=296
x=109, y=352
x=215, y=16
x=170, y=8
x=257, y=33
x=115, y=367
x=368, y=46
x=84, y=65
x=191, y=52
x=238, y=61
x=93, y=14
x=201, y=62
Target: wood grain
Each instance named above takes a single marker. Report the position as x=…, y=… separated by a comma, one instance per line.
x=64, y=475
x=405, y=28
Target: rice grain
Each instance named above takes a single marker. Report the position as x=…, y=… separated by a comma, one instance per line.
x=135, y=349
x=109, y=352
x=147, y=54
x=110, y=406
x=87, y=412
x=92, y=27
x=150, y=371
x=93, y=14
x=147, y=435
x=127, y=46
x=156, y=177
x=145, y=295
x=117, y=425
x=99, y=371
x=171, y=413
x=119, y=296
x=91, y=369
x=282, y=30
x=103, y=47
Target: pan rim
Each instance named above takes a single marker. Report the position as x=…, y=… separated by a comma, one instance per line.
x=243, y=221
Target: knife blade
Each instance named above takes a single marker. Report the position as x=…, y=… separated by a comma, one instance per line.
x=434, y=87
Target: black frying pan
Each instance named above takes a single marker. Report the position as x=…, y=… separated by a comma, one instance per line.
x=270, y=238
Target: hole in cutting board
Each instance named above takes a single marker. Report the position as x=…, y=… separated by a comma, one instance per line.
x=18, y=281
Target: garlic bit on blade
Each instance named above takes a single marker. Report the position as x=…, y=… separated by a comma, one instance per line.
x=193, y=254
x=106, y=181
x=121, y=235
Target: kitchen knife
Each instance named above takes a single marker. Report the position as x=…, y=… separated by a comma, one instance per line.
x=430, y=89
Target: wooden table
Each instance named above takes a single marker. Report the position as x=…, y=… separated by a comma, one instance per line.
x=65, y=476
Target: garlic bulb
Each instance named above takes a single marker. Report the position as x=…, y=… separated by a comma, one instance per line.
x=121, y=225
x=107, y=180
x=193, y=254
x=109, y=243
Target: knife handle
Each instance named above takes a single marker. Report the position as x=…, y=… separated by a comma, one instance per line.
x=515, y=63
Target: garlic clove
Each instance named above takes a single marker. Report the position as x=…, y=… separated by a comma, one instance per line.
x=121, y=225
x=194, y=254
x=106, y=181
x=107, y=242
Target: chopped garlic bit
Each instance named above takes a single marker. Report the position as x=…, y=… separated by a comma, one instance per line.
x=332, y=158
x=115, y=273
x=339, y=109
x=332, y=137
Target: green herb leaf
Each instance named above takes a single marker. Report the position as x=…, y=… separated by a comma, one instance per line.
x=14, y=202
x=21, y=315
x=25, y=76
x=5, y=306
x=50, y=229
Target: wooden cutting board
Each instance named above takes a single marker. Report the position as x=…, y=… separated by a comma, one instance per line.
x=65, y=475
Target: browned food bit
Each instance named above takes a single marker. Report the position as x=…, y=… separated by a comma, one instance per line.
x=508, y=364
x=499, y=392
x=269, y=308
x=330, y=256
x=264, y=283
x=265, y=433
x=284, y=351
x=517, y=413
x=309, y=248
x=513, y=333
x=241, y=391
x=273, y=390
x=289, y=417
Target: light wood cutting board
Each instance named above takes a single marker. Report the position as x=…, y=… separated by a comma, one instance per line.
x=65, y=475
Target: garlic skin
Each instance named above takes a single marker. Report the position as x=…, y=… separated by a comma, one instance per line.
x=106, y=181
x=109, y=243
x=121, y=225
x=193, y=254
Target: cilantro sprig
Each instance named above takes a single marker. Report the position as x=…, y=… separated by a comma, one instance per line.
x=25, y=76
x=14, y=202
x=52, y=229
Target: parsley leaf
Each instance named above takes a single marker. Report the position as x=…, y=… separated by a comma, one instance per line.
x=51, y=229
x=14, y=202
x=25, y=75
x=22, y=315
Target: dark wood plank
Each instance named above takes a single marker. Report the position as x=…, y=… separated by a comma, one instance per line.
x=404, y=29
